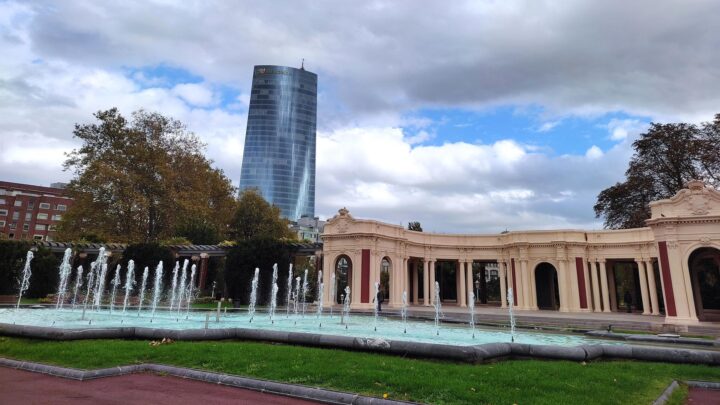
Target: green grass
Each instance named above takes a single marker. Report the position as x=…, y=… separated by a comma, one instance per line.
x=508, y=382
x=679, y=396
x=210, y=305
x=647, y=332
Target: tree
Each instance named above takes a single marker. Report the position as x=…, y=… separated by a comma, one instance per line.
x=414, y=226
x=136, y=180
x=666, y=157
x=255, y=218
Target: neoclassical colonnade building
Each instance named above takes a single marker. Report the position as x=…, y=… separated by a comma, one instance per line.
x=671, y=267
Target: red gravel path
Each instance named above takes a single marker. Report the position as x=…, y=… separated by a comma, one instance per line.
x=24, y=387
x=703, y=396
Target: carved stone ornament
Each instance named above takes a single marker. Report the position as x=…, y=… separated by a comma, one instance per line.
x=672, y=244
x=705, y=241
x=698, y=204
x=342, y=225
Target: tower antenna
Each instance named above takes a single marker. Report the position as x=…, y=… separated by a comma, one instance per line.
x=302, y=64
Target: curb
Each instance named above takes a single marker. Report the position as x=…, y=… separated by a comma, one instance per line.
x=469, y=354
x=270, y=387
x=665, y=396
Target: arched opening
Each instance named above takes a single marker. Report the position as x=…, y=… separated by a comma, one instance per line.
x=343, y=277
x=704, y=265
x=546, y=285
x=385, y=267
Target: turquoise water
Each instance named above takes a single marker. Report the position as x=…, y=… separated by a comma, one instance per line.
x=358, y=326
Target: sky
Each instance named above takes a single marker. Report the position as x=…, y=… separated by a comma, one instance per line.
x=470, y=117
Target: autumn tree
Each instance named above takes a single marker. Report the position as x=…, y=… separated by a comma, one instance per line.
x=138, y=180
x=255, y=218
x=666, y=157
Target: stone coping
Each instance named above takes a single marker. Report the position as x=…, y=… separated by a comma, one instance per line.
x=470, y=354
x=265, y=386
x=629, y=337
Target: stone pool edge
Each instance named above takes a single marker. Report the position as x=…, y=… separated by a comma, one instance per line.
x=469, y=354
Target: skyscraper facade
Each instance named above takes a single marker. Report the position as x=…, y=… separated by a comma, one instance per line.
x=279, y=155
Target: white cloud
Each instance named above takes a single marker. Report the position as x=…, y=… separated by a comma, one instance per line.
x=548, y=126
x=195, y=94
x=620, y=129
x=594, y=152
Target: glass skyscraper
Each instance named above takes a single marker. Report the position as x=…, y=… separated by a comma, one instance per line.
x=279, y=155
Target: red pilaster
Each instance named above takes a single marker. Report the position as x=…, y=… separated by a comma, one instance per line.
x=579, y=267
x=365, y=276
x=667, y=279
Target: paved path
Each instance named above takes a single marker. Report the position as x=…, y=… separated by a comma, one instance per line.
x=702, y=396
x=24, y=387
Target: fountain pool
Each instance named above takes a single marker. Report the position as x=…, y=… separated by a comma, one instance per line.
x=357, y=325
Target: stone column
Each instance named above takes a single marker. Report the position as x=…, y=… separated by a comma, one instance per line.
x=652, y=286
x=525, y=297
x=643, y=286
x=432, y=282
x=426, y=282
x=597, y=307
x=462, y=293
x=563, y=285
x=415, y=283
x=469, y=285
x=604, y=285
x=503, y=272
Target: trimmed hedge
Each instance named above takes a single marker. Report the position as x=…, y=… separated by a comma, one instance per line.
x=45, y=267
x=240, y=264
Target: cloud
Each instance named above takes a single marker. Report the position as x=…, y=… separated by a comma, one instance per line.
x=620, y=129
x=195, y=94
x=548, y=126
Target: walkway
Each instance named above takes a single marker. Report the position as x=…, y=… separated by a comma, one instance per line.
x=24, y=387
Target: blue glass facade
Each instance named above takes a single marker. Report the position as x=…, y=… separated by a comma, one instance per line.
x=279, y=155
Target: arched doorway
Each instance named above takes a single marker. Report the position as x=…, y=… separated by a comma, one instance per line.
x=546, y=286
x=343, y=277
x=704, y=265
x=385, y=268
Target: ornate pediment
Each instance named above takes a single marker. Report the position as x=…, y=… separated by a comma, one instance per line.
x=340, y=222
x=696, y=200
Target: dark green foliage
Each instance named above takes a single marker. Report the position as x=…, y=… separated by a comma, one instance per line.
x=12, y=260
x=147, y=254
x=255, y=218
x=198, y=231
x=666, y=157
x=44, y=269
x=415, y=226
x=242, y=260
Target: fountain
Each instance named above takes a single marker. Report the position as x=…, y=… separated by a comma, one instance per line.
x=376, y=300
x=289, y=290
x=296, y=296
x=25, y=280
x=174, y=284
x=303, y=296
x=129, y=283
x=157, y=290
x=191, y=289
x=78, y=284
x=333, y=292
x=320, y=296
x=115, y=284
x=100, y=280
x=346, y=307
x=143, y=287
x=90, y=284
x=273, y=293
x=253, y=294
x=511, y=301
x=438, y=308
x=403, y=311
x=65, y=270
x=471, y=309
x=183, y=278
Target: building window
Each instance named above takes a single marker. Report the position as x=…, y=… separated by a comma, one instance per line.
x=2, y=224
x=16, y=215
x=57, y=217
x=18, y=203
x=42, y=216
x=28, y=216
x=49, y=238
x=11, y=236
x=44, y=206
x=26, y=227
x=3, y=213
x=38, y=237
x=51, y=227
x=40, y=227
x=61, y=207
x=2, y=201
x=31, y=205
x=13, y=225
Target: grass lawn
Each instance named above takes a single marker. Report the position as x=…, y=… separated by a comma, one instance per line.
x=509, y=382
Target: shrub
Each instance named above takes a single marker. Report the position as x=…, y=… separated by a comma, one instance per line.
x=44, y=269
x=148, y=254
x=241, y=262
